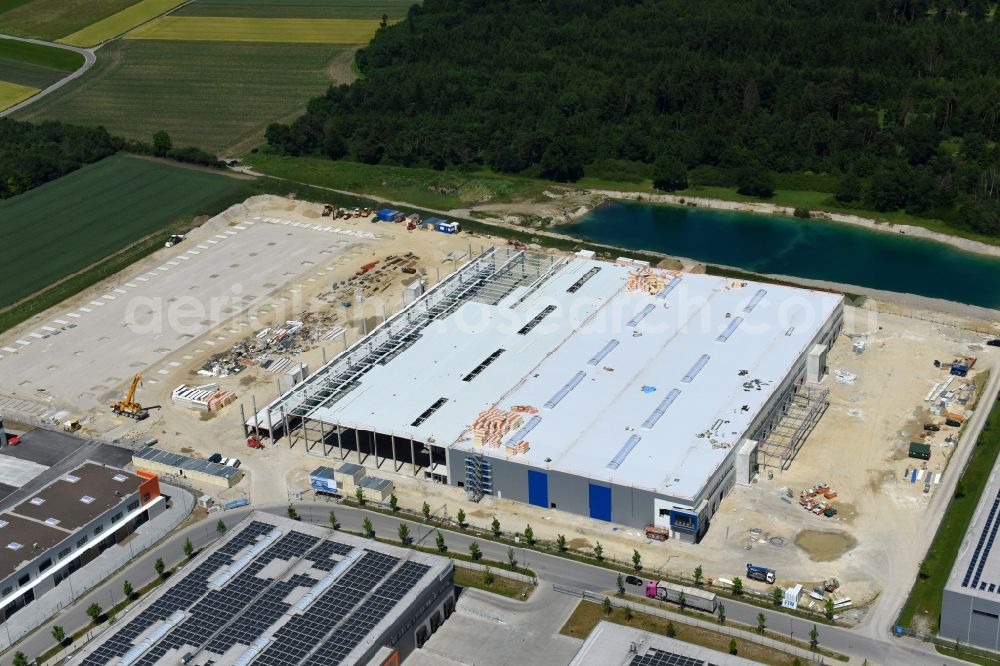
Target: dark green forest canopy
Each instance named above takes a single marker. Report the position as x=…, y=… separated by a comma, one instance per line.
x=900, y=98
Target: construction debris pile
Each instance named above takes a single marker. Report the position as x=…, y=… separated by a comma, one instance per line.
x=204, y=398
x=272, y=347
x=646, y=281
x=372, y=278
x=493, y=425
x=816, y=500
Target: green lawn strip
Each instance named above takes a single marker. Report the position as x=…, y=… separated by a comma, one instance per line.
x=588, y=614
x=924, y=602
x=507, y=587
x=965, y=653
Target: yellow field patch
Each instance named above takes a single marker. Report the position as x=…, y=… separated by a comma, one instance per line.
x=119, y=23
x=231, y=29
x=12, y=93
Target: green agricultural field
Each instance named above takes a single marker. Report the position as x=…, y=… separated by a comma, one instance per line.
x=120, y=22
x=52, y=19
x=441, y=190
x=216, y=96
x=68, y=224
x=35, y=65
x=259, y=30
x=348, y=9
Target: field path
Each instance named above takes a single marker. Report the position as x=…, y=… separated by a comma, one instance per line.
x=89, y=58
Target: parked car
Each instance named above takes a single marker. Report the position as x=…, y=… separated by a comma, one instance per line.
x=232, y=462
x=215, y=458
x=633, y=580
x=931, y=427
x=995, y=342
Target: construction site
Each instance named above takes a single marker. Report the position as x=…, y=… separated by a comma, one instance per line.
x=789, y=446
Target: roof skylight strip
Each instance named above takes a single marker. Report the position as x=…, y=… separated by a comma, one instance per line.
x=669, y=288
x=733, y=325
x=641, y=315
x=227, y=574
x=336, y=572
x=661, y=408
x=564, y=391
x=626, y=449
x=599, y=356
x=573, y=288
x=159, y=632
x=525, y=429
x=757, y=298
x=695, y=369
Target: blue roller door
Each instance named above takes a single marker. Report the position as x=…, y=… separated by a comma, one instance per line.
x=600, y=502
x=538, y=488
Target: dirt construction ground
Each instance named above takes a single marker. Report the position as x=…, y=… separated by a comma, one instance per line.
x=859, y=447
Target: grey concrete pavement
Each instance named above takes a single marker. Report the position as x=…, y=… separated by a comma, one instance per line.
x=89, y=58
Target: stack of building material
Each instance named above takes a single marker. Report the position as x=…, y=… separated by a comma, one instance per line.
x=646, y=281
x=205, y=398
x=518, y=449
x=494, y=424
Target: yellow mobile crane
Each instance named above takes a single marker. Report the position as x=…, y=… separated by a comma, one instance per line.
x=129, y=407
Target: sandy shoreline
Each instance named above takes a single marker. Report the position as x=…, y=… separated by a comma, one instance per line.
x=764, y=208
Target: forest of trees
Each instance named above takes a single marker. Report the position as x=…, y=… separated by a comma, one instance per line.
x=898, y=99
x=34, y=154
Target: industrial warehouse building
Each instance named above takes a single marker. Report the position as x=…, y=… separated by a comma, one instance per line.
x=611, y=390
x=278, y=592
x=970, y=607
x=67, y=524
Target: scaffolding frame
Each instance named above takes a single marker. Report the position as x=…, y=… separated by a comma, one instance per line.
x=782, y=438
x=488, y=279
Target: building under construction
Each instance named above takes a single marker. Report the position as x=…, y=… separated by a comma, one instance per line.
x=612, y=390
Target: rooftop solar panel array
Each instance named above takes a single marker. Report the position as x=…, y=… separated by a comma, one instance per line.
x=656, y=657
x=360, y=624
x=179, y=597
x=983, y=547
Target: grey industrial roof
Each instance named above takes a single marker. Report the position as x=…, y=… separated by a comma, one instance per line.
x=323, y=472
x=186, y=462
x=374, y=483
x=318, y=597
x=78, y=497
x=610, y=643
x=350, y=469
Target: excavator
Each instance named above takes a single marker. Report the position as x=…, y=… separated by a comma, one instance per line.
x=129, y=407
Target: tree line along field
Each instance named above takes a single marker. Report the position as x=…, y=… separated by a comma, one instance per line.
x=218, y=96
x=259, y=30
x=52, y=19
x=345, y=9
x=68, y=224
x=35, y=65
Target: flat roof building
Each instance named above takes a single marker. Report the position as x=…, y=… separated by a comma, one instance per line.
x=274, y=591
x=67, y=523
x=970, y=608
x=611, y=643
x=611, y=390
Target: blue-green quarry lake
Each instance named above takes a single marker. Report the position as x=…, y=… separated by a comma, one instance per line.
x=814, y=249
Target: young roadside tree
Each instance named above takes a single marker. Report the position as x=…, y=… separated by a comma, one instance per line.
x=460, y=517
x=188, y=548
x=359, y=495
x=128, y=590
x=404, y=534
x=699, y=576
x=58, y=634
x=333, y=520
x=621, y=585
x=671, y=629
x=828, y=609
x=475, y=551
x=495, y=526
x=441, y=546
x=737, y=586
x=426, y=510
x=561, y=542
x=220, y=528
x=813, y=638
x=628, y=613
x=292, y=513
x=529, y=535
x=636, y=560
x=777, y=594
x=488, y=577
x=732, y=646
x=94, y=611
x=682, y=601
x=607, y=606
x=511, y=558
x=368, y=528
x=394, y=502
x=160, y=567
x=761, y=623
x=722, y=613
x=599, y=552
x=20, y=659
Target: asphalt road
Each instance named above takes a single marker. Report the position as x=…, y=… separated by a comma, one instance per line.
x=89, y=58
x=882, y=649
